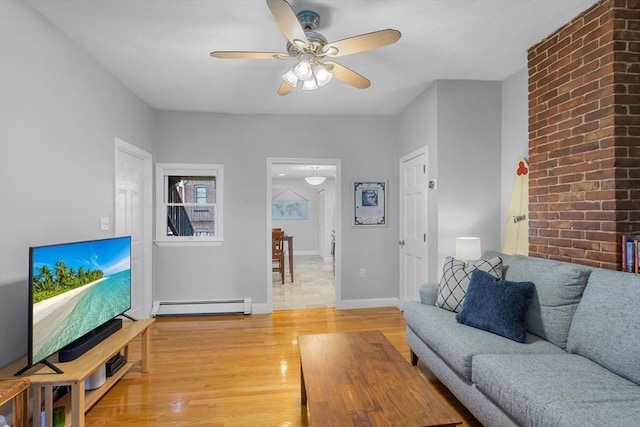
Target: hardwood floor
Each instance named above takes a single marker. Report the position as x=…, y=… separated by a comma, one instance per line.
x=234, y=370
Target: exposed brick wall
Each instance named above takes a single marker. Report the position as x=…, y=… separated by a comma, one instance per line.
x=584, y=136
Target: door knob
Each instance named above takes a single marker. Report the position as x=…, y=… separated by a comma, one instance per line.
x=401, y=242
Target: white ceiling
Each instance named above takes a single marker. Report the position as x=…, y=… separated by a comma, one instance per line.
x=160, y=48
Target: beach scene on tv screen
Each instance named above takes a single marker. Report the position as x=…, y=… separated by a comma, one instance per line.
x=75, y=288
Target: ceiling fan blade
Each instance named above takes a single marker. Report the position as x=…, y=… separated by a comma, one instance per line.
x=232, y=54
x=288, y=22
x=362, y=43
x=347, y=75
x=285, y=89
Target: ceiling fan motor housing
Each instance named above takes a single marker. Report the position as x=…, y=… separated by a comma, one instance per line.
x=308, y=19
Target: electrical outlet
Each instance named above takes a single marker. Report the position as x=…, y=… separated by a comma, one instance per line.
x=363, y=272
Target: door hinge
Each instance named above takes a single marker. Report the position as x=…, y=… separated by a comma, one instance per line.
x=425, y=237
x=424, y=168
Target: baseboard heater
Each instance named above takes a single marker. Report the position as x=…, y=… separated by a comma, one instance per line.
x=204, y=307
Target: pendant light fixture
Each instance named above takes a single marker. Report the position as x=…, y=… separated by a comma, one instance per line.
x=315, y=179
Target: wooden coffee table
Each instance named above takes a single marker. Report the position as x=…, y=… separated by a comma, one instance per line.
x=359, y=378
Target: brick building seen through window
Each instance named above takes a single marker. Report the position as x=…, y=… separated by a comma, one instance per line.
x=198, y=197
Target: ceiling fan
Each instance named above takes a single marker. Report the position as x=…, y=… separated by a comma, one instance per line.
x=313, y=54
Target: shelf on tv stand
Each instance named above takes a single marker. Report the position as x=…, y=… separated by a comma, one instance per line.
x=43, y=380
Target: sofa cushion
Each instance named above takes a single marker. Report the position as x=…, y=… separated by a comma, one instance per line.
x=606, y=324
x=558, y=289
x=457, y=343
x=428, y=293
x=456, y=275
x=553, y=390
x=497, y=306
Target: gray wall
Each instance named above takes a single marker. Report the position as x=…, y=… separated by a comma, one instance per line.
x=367, y=149
x=460, y=122
x=515, y=135
x=417, y=128
x=59, y=115
x=468, y=163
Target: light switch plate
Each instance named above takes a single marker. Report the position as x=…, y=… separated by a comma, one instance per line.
x=104, y=223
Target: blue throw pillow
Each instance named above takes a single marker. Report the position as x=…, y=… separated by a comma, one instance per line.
x=497, y=306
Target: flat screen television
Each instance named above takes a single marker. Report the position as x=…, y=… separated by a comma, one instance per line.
x=76, y=291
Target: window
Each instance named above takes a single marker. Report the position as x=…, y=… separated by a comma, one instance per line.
x=189, y=204
x=201, y=196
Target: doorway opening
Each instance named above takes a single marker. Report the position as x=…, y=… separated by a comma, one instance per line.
x=309, y=217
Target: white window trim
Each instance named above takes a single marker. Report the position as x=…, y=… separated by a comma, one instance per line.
x=169, y=169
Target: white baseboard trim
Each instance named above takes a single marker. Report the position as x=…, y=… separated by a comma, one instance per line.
x=327, y=259
x=369, y=303
x=345, y=305
x=306, y=252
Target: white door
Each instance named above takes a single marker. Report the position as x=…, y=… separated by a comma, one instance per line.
x=133, y=218
x=413, y=225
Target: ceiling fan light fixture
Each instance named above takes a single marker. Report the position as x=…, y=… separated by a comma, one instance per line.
x=290, y=77
x=310, y=84
x=322, y=75
x=315, y=179
x=303, y=69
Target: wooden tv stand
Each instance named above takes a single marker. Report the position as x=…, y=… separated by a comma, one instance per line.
x=16, y=390
x=76, y=403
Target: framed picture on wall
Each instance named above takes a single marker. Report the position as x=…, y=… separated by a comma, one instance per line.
x=370, y=203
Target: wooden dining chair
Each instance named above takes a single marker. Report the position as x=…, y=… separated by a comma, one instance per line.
x=277, y=252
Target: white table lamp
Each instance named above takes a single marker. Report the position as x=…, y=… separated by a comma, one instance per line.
x=468, y=248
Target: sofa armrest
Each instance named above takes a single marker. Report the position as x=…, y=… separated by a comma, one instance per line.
x=429, y=293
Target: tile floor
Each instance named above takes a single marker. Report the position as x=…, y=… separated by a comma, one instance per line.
x=314, y=285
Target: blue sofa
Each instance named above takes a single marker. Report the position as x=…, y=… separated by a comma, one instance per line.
x=579, y=366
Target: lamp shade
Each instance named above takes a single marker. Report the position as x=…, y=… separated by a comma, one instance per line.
x=310, y=85
x=322, y=75
x=303, y=69
x=290, y=77
x=468, y=248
